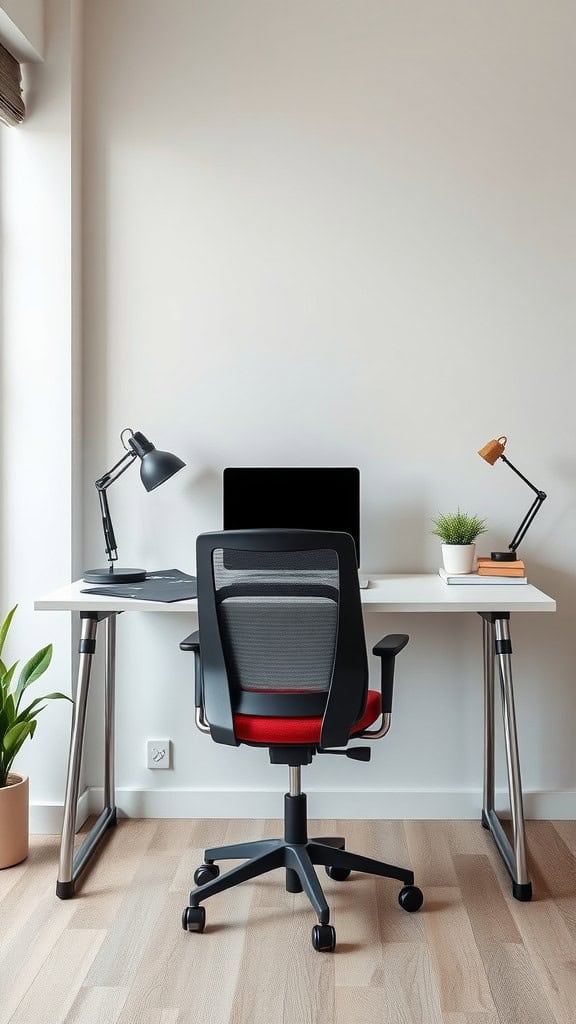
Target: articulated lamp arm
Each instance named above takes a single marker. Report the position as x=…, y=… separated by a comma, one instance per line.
x=102, y=485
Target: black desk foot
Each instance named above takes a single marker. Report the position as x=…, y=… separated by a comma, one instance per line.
x=65, y=890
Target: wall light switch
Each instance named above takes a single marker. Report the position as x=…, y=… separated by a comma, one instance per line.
x=158, y=754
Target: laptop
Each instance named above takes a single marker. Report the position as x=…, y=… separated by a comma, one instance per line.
x=294, y=498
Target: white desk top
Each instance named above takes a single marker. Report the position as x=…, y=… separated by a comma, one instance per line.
x=399, y=592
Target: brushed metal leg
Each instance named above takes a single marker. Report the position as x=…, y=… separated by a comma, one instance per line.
x=109, y=701
x=65, y=883
x=497, y=647
x=488, y=652
x=73, y=863
x=504, y=651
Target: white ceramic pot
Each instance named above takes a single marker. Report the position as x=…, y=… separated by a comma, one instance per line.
x=458, y=558
x=14, y=821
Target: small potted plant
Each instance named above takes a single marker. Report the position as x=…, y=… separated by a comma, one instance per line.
x=17, y=721
x=458, y=532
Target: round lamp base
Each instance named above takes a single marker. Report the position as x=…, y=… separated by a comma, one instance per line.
x=108, y=578
x=503, y=556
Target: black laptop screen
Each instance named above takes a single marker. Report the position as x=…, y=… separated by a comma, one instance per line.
x=294, y=499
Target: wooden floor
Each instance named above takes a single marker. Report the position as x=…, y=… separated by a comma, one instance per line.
x=117, y=953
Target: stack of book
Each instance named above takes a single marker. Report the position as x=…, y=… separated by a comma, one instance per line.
x=510, y=570
x=490, y=573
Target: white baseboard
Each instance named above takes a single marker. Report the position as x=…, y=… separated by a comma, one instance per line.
x=225, y=803
x=46, y=819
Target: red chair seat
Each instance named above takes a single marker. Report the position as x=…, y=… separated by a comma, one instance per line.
x=301, y=731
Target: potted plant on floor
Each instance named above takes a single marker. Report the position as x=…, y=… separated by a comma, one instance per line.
x=458, y=532
x=18, y=720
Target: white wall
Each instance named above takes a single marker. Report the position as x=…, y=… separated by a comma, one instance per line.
x=314, y=233
x=38, y=404
x=324, y=233
x=22, y=28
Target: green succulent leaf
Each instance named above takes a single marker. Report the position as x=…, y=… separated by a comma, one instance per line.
x=33, y=668
x=458, y=527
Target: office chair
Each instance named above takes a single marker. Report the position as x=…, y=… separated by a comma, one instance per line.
x=280, y=662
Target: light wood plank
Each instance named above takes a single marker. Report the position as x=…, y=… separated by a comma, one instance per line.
x=403, y=992
x=131, y=930
x=489, y=915
x=366, y=913
x=553, y=869
x=515, y=987
x=461, y=976
x=101, y=890
x=470, y=1018
x=567, y=832
x=57, y=983
x=97, y=1005
x=430, y=854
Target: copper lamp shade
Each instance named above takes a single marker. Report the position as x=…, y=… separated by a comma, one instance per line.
x=493, y=449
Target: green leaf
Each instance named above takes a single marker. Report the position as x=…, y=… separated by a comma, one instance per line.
x=23, y=715
x=15, y=736
x=6, y=679
x=33, y=668
x=28, y=730
x=6, y=626
x=10, y=708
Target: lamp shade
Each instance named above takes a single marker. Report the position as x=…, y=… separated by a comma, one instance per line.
x=156, y=466
x=493, y=449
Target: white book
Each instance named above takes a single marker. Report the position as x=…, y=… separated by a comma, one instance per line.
x=473, y=577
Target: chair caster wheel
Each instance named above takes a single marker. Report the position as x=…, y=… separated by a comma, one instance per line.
x=194, y=919
x=206, y=873
x=411, y=898
x=324, y=938
x=338, y=874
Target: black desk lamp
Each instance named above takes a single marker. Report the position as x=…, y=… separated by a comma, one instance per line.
x=495, y=450
x=155, y=468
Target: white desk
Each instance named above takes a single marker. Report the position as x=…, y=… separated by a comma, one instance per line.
x=392, y=593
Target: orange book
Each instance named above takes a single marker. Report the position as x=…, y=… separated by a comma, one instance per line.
x=482, y=571
x=518, y=564
x=487, y=567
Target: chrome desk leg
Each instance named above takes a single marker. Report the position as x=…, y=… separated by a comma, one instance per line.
x=497, y=646
x=488, y=652
x=109, y=702
x=72, y=864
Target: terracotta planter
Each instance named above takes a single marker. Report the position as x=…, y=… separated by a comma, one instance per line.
x=14, y=821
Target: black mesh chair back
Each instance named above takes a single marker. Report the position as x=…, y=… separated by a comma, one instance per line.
x=280, y=618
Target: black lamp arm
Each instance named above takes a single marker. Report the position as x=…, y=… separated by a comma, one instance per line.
x=540, y=497
x=110, y=539
x=521, y=531
x=120, y=467
x=102, y=485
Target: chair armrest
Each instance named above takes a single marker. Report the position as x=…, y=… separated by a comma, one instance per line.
x=191, y=643
x=386, y=649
